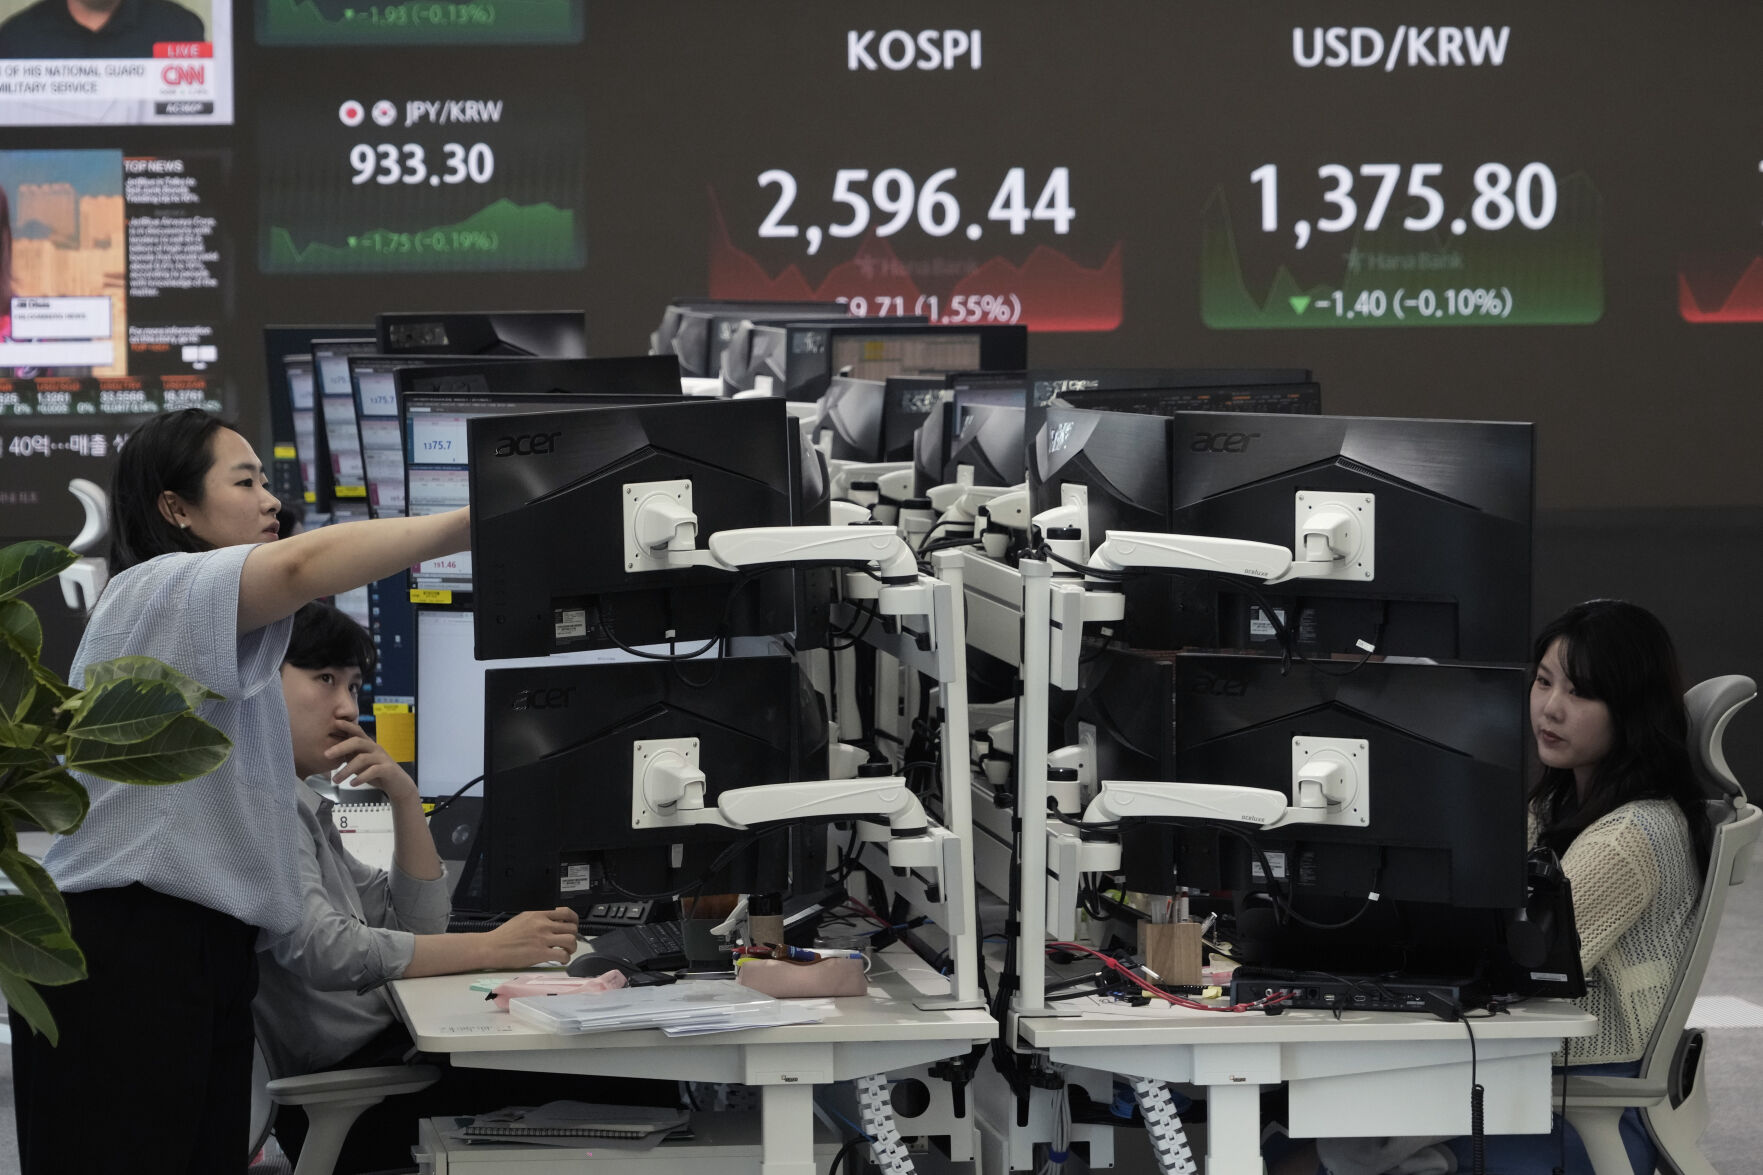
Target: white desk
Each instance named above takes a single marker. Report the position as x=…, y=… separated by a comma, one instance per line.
x=857, y=1036
x=1370, y=1073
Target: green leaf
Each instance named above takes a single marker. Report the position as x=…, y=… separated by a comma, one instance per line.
x=25, y=565
x=54, y=801
x=34, y=882
x=187, y=748
x=34, y=946
x=194, y=691
x=50, y=682
x=126, y=710
x=23, y=998
x=19, y=620
x=26, y=755
x=18, y=685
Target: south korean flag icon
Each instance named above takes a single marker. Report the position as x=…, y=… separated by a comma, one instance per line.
x=351, y=113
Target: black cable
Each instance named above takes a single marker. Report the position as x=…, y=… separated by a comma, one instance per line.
x=1566, y=1048
x=723, y=858
x=839, y=1159
x=722, y=627
x=856, y=634
x=1477, y=1137
x=442, y=805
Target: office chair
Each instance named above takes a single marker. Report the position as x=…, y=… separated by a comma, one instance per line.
x=1668, y=1091
x=332, y=1101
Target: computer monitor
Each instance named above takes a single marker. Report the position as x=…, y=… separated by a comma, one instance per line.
x=377, y=384
x=551, y=334
x=1453, y=531
x=554, y=483
x=334, y=413
x=558, y=758
x=814, y=353
x=989, y=446
x=744, y=348
x=1162, y=391
x=875, y=420
x=1444, y=784
x=288, y=380
x=434, y=405
x=449, y=693
x=697, y=331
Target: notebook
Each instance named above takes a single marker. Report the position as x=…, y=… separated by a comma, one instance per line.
x=567, y=1119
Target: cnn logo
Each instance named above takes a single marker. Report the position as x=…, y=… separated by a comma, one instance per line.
x=179, y=74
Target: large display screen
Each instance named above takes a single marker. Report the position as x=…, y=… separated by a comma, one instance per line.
x=1507, y=212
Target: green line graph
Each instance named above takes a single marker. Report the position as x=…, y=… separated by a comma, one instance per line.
x=503, y=236
x=1393, y=277
x=419, y=22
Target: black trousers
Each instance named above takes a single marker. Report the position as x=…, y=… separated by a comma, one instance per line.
x=153, y=1069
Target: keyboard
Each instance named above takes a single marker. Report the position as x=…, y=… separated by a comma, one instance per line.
x=654, y=946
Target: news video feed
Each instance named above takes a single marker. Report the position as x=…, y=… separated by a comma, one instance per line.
x=115, y=62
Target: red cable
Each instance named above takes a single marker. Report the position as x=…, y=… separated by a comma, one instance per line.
x=1117, y=966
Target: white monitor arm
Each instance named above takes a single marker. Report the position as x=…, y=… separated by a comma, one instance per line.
x=1331, y=784
x=668, y=791
x=1333, y=539
x=661, y=532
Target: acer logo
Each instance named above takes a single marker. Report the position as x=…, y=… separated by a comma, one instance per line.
x=1216, y=686
x=543, y=699
x=1222, y=442
x=527, y=444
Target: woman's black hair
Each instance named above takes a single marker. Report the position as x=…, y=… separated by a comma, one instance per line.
x=325, y=638
x=170, y=452
x=1620, y=654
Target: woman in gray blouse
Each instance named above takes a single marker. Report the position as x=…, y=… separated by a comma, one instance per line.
x=169, y=887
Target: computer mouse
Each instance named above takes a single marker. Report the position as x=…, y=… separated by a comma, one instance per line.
x=588, y=966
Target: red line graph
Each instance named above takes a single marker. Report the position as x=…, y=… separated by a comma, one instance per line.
x=1742, y=302
x=1055, y=293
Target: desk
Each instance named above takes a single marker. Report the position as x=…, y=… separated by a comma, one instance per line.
x=857, y=1036
x=1369, y=1073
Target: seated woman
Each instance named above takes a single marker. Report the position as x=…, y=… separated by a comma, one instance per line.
x=1618, y=800
x=321, y=1003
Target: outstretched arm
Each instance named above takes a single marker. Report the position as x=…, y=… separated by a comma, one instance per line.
x=281, y=576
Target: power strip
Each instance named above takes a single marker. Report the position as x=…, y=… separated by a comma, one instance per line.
x=1363, y=993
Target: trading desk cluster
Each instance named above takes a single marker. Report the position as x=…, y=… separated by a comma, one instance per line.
x=1147, y=720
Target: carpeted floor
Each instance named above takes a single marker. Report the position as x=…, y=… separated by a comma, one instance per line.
x=1735, y=1063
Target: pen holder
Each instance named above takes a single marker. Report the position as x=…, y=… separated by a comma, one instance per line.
x=1172, y=950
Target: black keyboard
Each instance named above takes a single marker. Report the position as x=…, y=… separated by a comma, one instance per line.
x=654, y=946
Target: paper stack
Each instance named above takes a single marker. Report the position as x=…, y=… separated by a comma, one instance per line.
x=680, y=1009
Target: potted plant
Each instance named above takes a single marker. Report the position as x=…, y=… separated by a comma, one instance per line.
x=132, y=721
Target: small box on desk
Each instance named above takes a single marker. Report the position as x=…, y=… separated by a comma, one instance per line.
x=1172, y=950
x=725, y=1143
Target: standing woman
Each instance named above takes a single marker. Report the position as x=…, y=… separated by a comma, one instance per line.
x=169, y=887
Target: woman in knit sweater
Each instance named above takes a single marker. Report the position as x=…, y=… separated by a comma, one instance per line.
x=1618, y=800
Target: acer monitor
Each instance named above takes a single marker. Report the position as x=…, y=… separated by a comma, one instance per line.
x=294, y=441
x=558, y=766
x=547, y=494
x=434, y=405
x=449, y=695
x=1119, y=462
x=874, y=420
x=1444, y=845
x=703, y=332
x=547, y=334
x=870, y=349
x=333, y=402
x=1162, y=391
x=989, y=446
x=745, y=348
x=1453, y=531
